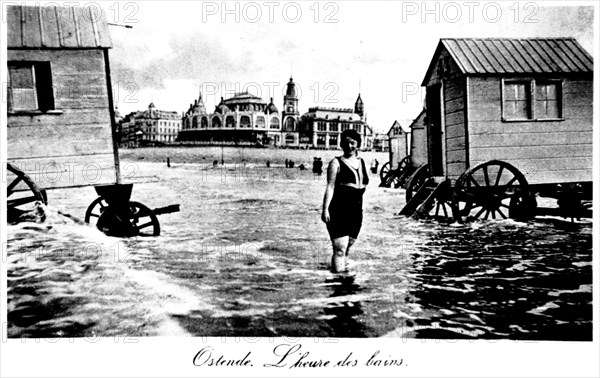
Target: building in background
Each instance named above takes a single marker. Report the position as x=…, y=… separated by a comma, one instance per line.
x=399, y=142
x=243, y=119
x=380, y=142
x=321, y=127
x=151, y=127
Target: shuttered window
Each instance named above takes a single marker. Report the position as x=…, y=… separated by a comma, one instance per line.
x=30, y=87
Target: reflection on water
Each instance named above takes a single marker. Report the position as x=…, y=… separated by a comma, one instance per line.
x=343, y=315
x=249, y=258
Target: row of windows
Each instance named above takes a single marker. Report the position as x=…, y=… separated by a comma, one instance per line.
x=322, y=126
x=160, y=138
x=245, y=122
x=321, y=139
x=531, y=100
x=168, y=123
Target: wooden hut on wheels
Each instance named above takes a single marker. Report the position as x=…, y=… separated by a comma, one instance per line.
x=524, y=101
x=508, y=120
x=418, y=140
x=60, y=121
x=399, y=143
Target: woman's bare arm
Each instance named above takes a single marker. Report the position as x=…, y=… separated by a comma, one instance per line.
x=332, y=171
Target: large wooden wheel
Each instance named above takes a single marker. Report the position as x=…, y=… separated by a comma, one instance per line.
x=95, y=209
x=137, y=220
x=417, y=180
x=402, y=167
x=441, y=207
x=22, y=194
x=494, y=189
x=383, y=172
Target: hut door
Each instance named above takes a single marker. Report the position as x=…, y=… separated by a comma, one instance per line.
x=437, y=153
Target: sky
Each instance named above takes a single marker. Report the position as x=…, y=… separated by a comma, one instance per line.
x=333, y=50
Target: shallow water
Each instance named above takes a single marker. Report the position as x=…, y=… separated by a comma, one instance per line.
x=247, y=255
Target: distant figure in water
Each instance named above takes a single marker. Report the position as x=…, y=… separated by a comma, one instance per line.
x=215, y=163
x=291, y=164
x=347, y=179
x=374, y=166
x=287, y=164
x=318, y=166
x=302, y=167
x=268, y=164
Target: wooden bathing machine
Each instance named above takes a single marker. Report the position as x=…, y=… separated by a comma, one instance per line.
x=60, y=120
x=506, y=120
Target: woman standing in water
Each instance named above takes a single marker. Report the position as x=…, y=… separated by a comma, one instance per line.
x=342, y=205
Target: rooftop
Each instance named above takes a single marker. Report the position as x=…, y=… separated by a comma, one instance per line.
x=56, y=27
x=515, y=55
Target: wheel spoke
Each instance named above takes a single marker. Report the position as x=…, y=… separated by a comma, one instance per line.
x=20, y=201
x=480, y=212
x=444, y=208
x=145, y=225
x=12, y=185
x=503, y=205
x=499, y=175
x=511, y=181
x=437, y=208
x=486, y=215
x=502, y=214
x=486, y=175
x=472, y=179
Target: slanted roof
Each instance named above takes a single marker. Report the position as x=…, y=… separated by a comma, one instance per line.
x=56, y=27
x=490, y=56
x=414, y=122
x=244, y=98
x=343, y=114
x=402, y=125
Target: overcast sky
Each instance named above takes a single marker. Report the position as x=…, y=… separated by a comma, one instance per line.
x=175, y=48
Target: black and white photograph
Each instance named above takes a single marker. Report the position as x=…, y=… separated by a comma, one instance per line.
x=310, y=188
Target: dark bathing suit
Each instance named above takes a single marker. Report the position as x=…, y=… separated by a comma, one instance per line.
x=345, y=209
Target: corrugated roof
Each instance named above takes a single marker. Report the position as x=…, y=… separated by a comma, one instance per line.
x=480, y=56
x=56, y=27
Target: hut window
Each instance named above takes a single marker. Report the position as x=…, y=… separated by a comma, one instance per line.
x=517, y=100
x=274, y=123
x=30, y=86
x=547, y=100
x=321, y=126
x=333, y=127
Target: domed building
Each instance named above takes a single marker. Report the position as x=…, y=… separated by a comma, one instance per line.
x=243, y=118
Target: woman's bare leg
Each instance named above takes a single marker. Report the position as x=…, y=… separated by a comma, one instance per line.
x=338, y=260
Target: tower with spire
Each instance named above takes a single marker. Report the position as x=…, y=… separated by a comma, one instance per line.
x=199, y=107
x=290, y=113
x=359, y=107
